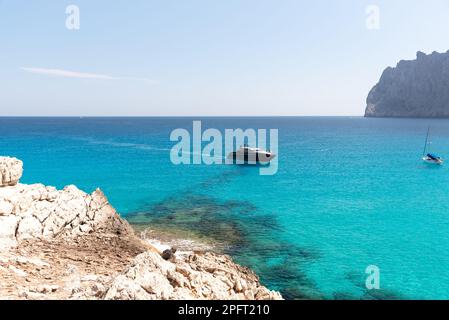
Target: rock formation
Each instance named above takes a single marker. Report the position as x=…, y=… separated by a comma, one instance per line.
x=10, y=171
x=200, y=276
x=416, y=88
x=40, y=212
x=67, y=244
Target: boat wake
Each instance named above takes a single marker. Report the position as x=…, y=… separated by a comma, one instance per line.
x=112, y=143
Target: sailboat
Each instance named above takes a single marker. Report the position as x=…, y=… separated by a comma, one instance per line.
x=430, y=157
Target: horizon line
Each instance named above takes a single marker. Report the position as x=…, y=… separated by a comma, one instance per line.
x=180, y=116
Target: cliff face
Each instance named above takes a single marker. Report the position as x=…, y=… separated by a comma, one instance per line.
x=417, y=88
x=67, y=244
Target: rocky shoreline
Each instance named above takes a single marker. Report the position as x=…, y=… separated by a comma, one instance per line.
x=67, y=244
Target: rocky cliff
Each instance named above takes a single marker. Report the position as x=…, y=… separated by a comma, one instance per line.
x=67, y=244
x=417, y=88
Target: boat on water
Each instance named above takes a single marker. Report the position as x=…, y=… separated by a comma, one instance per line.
x=433, y=159
x=430, y=157
x=249, y=155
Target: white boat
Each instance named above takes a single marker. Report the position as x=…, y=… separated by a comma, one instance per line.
x=248, y=155
x=430, y=157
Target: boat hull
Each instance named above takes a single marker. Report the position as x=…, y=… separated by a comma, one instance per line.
x=249, y=158
x=432, y=161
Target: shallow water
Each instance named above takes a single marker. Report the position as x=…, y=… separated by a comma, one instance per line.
x=350, y=192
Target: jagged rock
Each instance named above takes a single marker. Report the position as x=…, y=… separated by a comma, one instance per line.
x=152, y=277
x=415, y=88
x=168, y=254
x=125, y=288
x=6, y=207
x=46, y=288
x=8, y=226
x=29, y=228
x=11, y=170
x=36, y=211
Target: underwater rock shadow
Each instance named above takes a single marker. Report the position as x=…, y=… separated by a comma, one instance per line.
x=228, y=221
x=358, y=280
x=248, y=236
x=222, y=178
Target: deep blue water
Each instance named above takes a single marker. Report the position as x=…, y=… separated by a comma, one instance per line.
x=350, y=192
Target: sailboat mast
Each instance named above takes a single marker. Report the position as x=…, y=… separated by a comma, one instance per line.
x=427, y=139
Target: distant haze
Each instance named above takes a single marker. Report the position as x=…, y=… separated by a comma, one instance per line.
x=201, y=57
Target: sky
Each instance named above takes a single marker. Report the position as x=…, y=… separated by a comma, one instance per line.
x=207, y=57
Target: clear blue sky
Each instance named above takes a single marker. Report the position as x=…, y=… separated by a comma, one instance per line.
x=206, y=57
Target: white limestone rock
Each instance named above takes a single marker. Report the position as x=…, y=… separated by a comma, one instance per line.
x=6, y=207
x=11, y=170
x=201, y=276
x=8, y=226
x=40, y=212
x=125, y=288
x=29, y=228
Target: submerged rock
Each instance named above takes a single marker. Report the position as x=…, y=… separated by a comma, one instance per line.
x=416, y=88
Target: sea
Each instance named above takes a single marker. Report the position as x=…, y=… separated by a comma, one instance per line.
x=350, y=195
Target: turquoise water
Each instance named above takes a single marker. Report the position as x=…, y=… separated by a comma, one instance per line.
x=350, y=192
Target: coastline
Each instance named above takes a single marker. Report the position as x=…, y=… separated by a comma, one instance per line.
x=163, y=240
x=66, y=244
